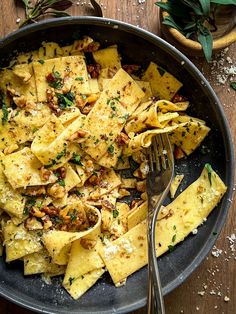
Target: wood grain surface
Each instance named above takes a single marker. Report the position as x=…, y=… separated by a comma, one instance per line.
x=206, y=289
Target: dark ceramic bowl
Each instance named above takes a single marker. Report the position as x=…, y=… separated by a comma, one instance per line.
x=139, y=47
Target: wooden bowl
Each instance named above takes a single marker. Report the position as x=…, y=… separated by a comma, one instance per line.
x=222, y=38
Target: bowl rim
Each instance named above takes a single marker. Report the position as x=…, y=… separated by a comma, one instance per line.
x=227, y=138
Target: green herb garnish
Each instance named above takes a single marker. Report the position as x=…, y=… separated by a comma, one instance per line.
x=171, y=248
x=5, y=113
x=209, y=170
x=111, y=149
x=65, y=101
x=71, y=279
x=55, y=80
x=115, y=213
x=76, y=159
x=61, y=182
x=62, y=153
x=79, y=78
x=30, y=202
x=41, y=61
x=173, y=238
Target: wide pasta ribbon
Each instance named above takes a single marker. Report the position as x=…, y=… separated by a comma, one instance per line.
x=58, y=243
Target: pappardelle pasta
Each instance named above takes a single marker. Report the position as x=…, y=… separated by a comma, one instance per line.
x=70, y=129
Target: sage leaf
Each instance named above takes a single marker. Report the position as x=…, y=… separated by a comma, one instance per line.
x=206, y=41
x=194, y=5
x=97, y=8
x=169, y=21
x=175, y=8
x=205, y=6
x=189, y=25
x=62, y=5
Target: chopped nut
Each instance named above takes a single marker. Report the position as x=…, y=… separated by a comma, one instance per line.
x=135, y=203
x=67, y=84
x=10, y=149
x=12, y=92
x=131, y=68
x=92, y=47
x=61, y=172
x=35, y=190
x=94, y=180
x=51, y=211
x=52, y=100
x=88, y=244
x=47, y=223
x=36, y=212
x=108, y=205
x=122, y=139
x=23, y=103
x=32, y=223
x=94, y=70
x=45, y=173
x=87, y=108
x=56, y=191
x=123, y=192
x=178, y=153
x=141, y=186
x=79, y=136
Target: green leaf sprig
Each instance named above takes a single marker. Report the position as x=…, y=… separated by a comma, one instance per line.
x=41, y=8
x=35, y=10
x=195, y=19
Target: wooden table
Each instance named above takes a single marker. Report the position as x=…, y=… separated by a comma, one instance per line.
x=215, y=279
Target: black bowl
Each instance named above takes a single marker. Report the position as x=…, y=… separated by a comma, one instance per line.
x=139, y=47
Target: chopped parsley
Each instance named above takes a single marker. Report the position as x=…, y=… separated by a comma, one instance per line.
x=173, y=238
x=65, y=101
x=115, y=213
x=51, y=164
x=71, y=279
x=120, y=159
x=76, y=159
x=30, y=202
x=209, y=170
x=35, y=130
x=171, y=248
x=126, y=116
x=111, y=149
x=62, y=153
x=55, y=80
x=79, y=78
x=73, y=215
x=5, y=113
x=61, y=182
x=41, y=61
x=174, y=227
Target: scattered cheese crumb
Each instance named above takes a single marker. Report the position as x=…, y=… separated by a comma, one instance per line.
x=110, y=251
x=195, y=231
x=226, y=299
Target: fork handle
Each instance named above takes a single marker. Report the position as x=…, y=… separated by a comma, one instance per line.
x=155, y=304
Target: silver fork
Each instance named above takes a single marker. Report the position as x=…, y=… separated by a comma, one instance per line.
x=161, y=171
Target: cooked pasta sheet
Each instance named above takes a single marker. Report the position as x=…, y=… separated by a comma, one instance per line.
x=69, y=130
